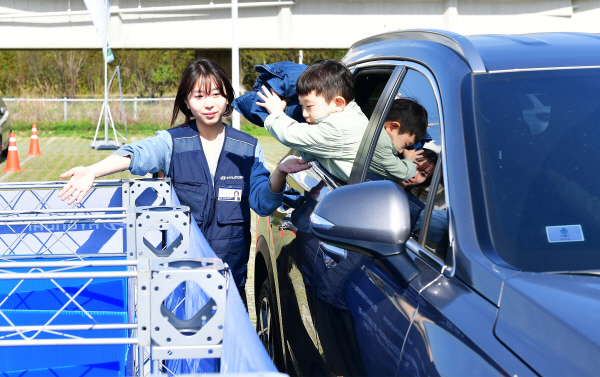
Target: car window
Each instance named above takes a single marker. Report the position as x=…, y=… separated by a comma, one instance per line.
x=535, y=166
x=385, y=165
x=368, y=86
x=387, y=161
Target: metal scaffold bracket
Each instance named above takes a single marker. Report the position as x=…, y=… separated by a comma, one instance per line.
x=160, y=219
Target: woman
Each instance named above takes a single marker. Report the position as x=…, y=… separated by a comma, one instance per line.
x=417, y=190
x=208, y=163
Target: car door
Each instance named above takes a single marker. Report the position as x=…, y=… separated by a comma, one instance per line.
x=440, y=338
x=363, y=314
x=294, y=251
x=311, y=283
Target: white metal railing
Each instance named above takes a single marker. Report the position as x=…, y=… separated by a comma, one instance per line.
x=65, y=100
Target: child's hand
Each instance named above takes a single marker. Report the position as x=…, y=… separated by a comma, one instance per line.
x=293, y=165
x=414, y=155
x=272, y=101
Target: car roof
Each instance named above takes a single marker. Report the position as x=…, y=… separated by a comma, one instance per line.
x=488, y=53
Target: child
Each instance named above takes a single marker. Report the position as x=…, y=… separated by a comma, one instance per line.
x=335, y=124
x=405, y=125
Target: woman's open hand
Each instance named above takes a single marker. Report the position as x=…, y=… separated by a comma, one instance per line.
x=82, y=179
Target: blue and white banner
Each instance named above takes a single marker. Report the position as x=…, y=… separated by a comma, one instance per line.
x=100, y=13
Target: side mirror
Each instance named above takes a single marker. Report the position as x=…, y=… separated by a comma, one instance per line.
x=372, y=218
x=2, y=110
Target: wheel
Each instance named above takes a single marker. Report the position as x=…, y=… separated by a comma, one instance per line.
x=265, y=322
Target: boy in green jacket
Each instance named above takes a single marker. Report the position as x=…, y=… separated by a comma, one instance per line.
x=335, y=125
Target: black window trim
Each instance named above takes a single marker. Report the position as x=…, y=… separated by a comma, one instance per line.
x=367, y=145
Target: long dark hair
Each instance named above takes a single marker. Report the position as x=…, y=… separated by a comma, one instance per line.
x=429, y=159
x=209, y=73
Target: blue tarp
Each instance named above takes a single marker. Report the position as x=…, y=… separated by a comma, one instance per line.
x=242, y=351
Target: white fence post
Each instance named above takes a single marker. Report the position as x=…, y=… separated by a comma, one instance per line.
x=65, y=109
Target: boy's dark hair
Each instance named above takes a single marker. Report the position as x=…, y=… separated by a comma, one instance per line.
x=328, y=78
x=411, y=116
x=207, y=72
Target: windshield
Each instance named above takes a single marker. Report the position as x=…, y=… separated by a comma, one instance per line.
x=538, y=134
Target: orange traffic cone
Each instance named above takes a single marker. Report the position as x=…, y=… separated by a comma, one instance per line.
x=12, y=160
x=34, y=143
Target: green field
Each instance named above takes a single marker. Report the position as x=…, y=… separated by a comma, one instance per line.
x=60, y=153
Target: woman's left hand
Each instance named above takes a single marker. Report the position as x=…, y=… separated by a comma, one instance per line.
x=293, y=165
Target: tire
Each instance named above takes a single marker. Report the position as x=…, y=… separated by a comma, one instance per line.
x=265, y=322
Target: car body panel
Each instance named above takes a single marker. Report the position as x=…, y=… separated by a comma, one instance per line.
x=537, y=51
x=555, y=315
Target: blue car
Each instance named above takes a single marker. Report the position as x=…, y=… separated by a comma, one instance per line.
x=497, y=273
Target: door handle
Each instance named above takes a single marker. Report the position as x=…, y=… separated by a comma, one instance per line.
x=332, y=255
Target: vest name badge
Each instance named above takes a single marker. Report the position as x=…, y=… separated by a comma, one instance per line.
x=230, y=194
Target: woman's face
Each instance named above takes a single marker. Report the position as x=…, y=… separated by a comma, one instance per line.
x=424, y=170
x=206, y=104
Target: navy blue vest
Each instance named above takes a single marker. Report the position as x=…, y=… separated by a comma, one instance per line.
x=225, y=224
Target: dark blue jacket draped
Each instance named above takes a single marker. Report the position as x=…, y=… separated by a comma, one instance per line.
x=282, y=78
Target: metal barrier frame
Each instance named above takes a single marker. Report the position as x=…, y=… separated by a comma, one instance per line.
x=152, y=274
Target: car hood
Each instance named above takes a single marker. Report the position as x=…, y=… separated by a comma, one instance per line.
x=552, y=322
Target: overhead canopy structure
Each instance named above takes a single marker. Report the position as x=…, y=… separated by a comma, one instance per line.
x=307, y=24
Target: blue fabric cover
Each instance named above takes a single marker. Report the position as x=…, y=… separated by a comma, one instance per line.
x=112, y=358
x=242, y=351
x=282, y=78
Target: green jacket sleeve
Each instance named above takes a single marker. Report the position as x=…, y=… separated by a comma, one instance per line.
x=316, y=140
x=386, y=164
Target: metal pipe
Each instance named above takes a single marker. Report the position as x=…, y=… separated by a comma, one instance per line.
x=67, y=342
x=99, y=182
x=109, y=263
x=140, y=362
x=83, y=222
x=107, y=109
x=105, y=326
x=89, y=218
x=67, y=275
x=71, y=210
x=235, y=61
x=151, y=9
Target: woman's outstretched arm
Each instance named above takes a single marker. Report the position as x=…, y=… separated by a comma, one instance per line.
x=141, y=157
x=82, y=177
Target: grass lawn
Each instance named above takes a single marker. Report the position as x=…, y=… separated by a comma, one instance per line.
x=60, y=153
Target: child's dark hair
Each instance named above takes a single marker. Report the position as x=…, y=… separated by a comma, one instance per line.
x=328, y=78
x=208, y=72
x=411, y=116
x=428, y=161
